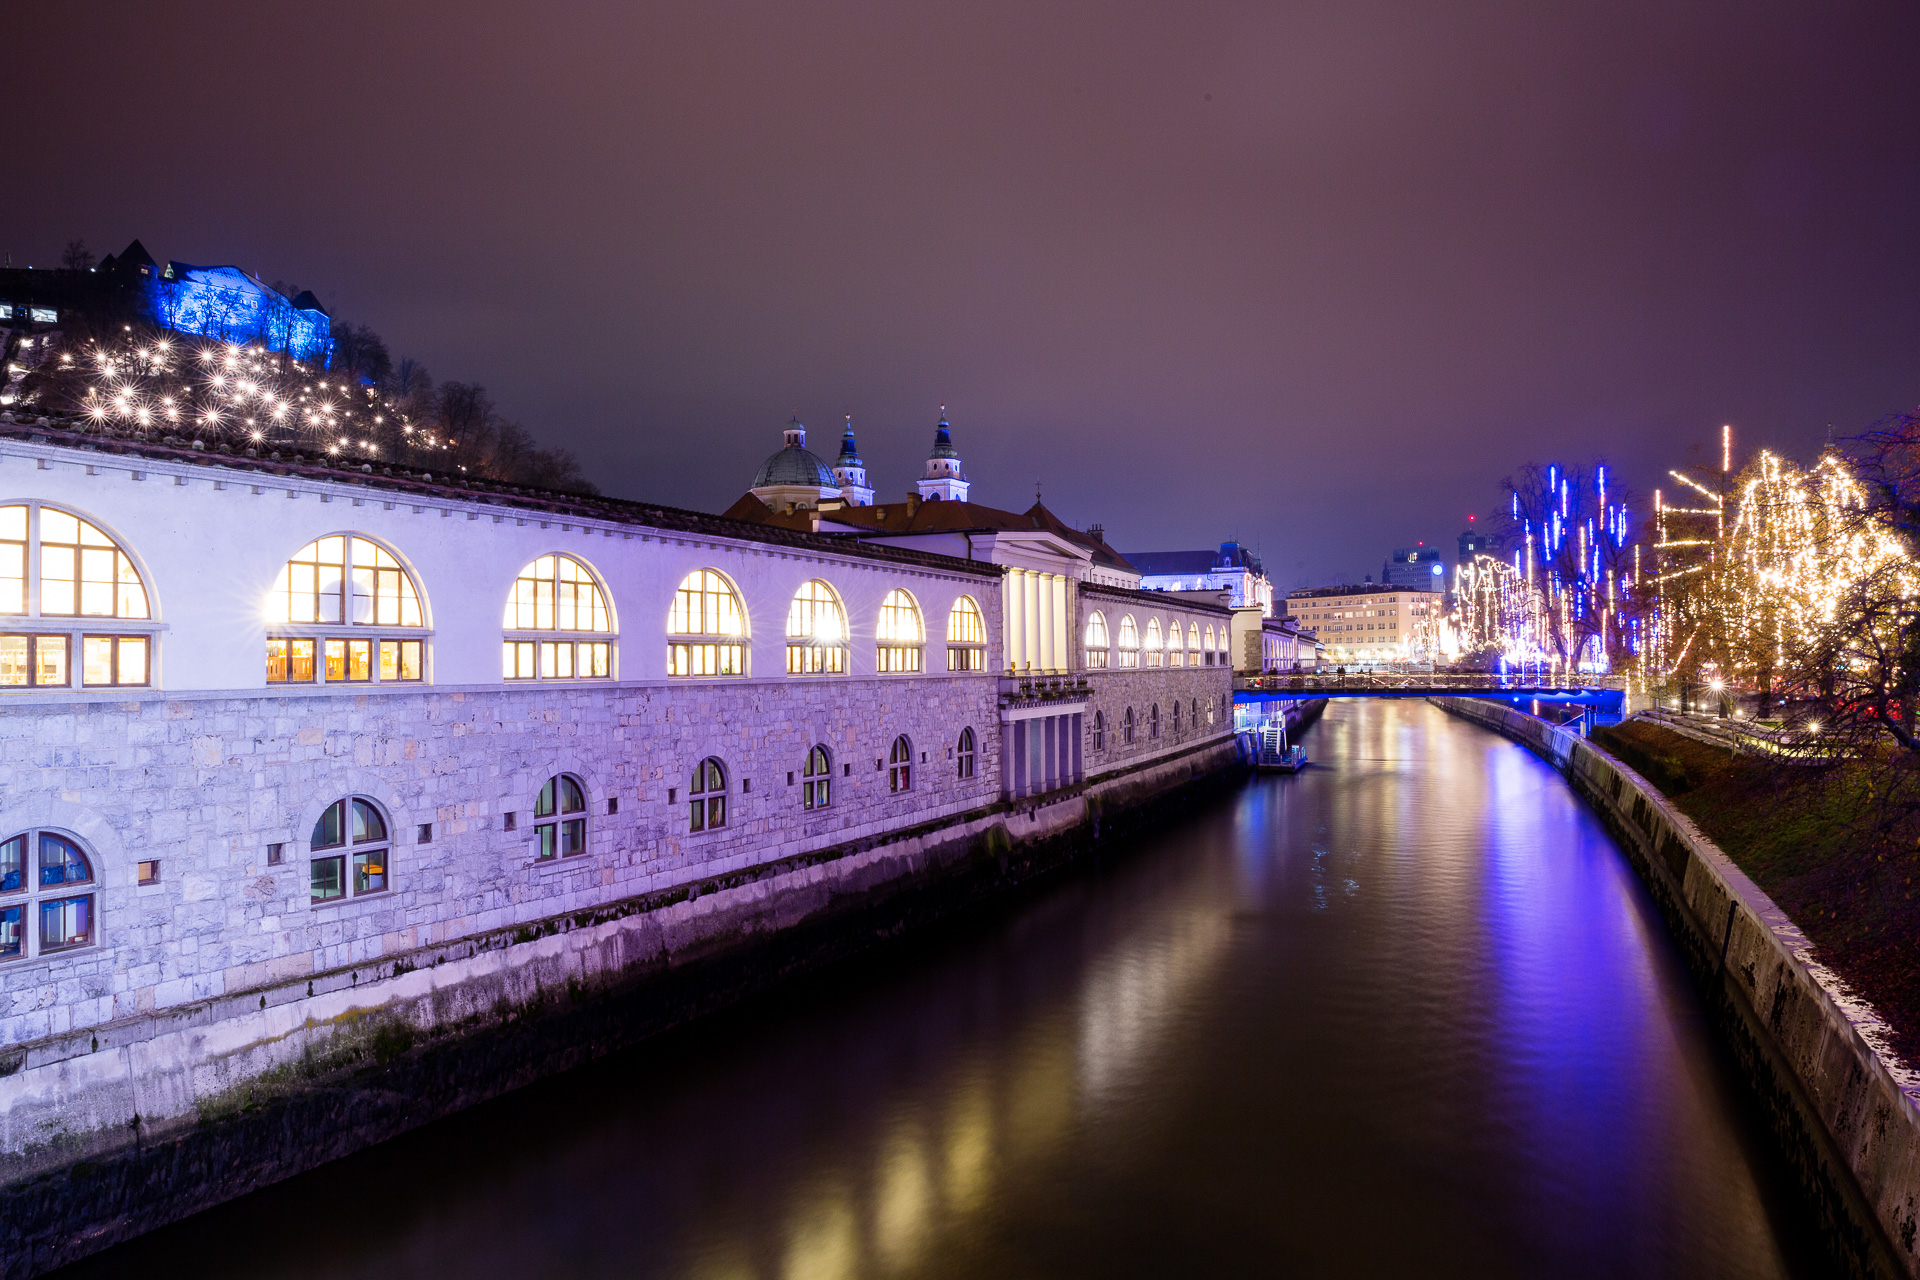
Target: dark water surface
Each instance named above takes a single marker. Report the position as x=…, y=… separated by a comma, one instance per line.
x=1406, y=1014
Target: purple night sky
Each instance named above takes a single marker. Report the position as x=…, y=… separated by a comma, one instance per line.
x=1310, y=275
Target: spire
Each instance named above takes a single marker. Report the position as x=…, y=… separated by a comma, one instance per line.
x=850, y=472
x=945, y=477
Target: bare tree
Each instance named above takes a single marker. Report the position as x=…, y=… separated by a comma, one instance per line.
x=77, y=257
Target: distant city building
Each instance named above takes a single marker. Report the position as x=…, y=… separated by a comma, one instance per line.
x=1415, y=568
x=1475, y=542
x=1232, y=568
x=1368, y=623
x=220, y=302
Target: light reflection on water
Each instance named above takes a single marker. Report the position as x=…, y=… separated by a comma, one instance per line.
x=1407, y=1012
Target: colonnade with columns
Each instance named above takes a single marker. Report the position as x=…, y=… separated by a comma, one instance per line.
x=1039, y=622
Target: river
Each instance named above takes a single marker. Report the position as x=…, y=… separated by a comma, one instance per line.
x=1408, y=1013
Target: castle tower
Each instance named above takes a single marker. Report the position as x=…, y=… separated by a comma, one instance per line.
x=945, y=479
x=851, y=472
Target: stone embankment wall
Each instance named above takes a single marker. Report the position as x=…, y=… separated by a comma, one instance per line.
x=1844, y=1111
x=154, y=1118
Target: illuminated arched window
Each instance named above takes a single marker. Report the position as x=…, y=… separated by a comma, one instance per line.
x=1176, y=645
x=1152, y=646
x=1129, y=645
x=966, y=636
x=556, y=594
x=900, y=633
x=58, y=572
x=349, y=851
x=1098, y=648
x=353, y=585
x=46, y=895
x=816, y=631
x=1193, y=642
x=708, y=627
x=1206, y=644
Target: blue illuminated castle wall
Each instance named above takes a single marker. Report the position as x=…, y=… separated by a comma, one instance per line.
x=227, y=304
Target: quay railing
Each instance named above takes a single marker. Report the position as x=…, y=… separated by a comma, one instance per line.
x=1332, y=683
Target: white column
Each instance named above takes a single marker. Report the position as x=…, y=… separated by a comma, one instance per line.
x=1030, y=584
x=1012, y=623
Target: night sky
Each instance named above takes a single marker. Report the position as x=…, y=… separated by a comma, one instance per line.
x=1311, y=276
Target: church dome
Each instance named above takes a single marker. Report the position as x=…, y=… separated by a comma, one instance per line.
x=794, y=465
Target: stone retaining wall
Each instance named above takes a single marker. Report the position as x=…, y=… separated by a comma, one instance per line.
x=105, y=1135
x=1841, y=1105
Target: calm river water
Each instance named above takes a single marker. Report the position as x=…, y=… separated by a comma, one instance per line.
x=1406, y=1014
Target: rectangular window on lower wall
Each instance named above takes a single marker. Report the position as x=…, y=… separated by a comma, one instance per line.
x=66, y=922
x=328, y=878
x=348, y=660
x=36, y=662
x=113, y=660
x=966, y=658
x=556, y=659
x=897, y=657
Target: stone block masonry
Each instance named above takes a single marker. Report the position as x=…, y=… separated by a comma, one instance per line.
x=1845, y=1114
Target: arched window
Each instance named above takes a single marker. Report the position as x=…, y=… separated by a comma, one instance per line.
x=965, y=756
x=708, y=614
x=707, y=797
x=342, y=584
x=816, y=632
x=1096, y=641
x=57, y=574
x=46, y=895
x=1175, y=708
x=1176, y=646
x=556, y=594
x=350, y=830
x=560, y=818
x=1129, y=642
x=1155, y=655
x=816, y=781
x=1153, y=721
x=1193, y=643
x=966, y=636
x=1206, y=644
x=1223, y=708
x=1194, y=719
x=1099, y=732
x=1126, y=728
x=900, y=633
x=900, y=765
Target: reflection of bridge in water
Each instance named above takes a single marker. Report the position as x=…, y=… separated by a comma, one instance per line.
x=1602, y=698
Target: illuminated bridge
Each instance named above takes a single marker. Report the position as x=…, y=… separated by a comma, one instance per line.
x=1603, y=696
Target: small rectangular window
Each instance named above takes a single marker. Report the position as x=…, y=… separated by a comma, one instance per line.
x=544, y=834
x=424, y=835
x=399, y=660
x=370, y=871
x=746, y=785
x=673, y=795
x=336, y=655
x=150, y=871
x=276, y=853
x=359, y=659
x=573, y=837
x=510, y=821
x=36, y=661
x=516, y=659
x=613, y=804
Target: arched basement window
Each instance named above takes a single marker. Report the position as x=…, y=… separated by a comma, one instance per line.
x=1151, y=646
x=816, y=631
x=46, y=895
x=74, y=598
x=560, y=818
x=1176, y=717
x=556, y=594
x=1126, y=728
x=816, y=780
x=1098, y=649
x=328, y=595
x=901, y=634
x=900, y=765
x=353, y=831
x=1099, y=732
x=966, y=636
x=707, y=796
x=1153, y=721
x=1176, y=647
x=1129, y=642
x=707, y=628
x=965, y=756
